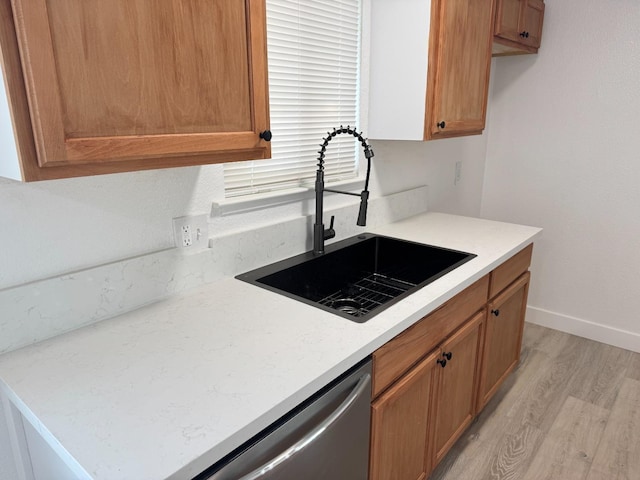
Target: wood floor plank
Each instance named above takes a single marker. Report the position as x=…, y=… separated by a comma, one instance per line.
x=540, y=403
x=515, y=453
x=537, y=424
x=505, y=456
x=533, y=333
x=543, y=339
x=633, y=368
x=618, y=455
x=570, y=446
x=490, y=436
x=598, y=380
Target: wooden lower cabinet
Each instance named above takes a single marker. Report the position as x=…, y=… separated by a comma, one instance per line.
x=430, y=381
x=505, y=322
x=455, y=395
x=417, y=420
x=399, y=425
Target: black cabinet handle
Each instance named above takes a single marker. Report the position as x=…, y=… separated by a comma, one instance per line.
x=441, y=124
x=447, y=355
x=524, y=34
x=442, y=362
x=496, y=312
x=266, y=135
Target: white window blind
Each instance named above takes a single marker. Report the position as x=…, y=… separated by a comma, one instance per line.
x=314, y=66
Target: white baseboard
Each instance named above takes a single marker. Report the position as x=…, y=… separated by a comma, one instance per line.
x=584, y=328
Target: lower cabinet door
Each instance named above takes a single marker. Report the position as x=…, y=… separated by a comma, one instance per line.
x=503, y=338
x=399, y=425
x=455, y=398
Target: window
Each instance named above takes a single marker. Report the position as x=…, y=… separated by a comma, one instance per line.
x=314, y=77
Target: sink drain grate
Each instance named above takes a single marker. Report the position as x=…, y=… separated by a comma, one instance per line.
x=361, y=297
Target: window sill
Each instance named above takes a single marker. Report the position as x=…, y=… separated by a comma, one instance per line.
x=260, y=201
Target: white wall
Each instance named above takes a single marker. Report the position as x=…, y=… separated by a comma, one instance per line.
x=400, y=165
x=58, y=226
x=564, y=154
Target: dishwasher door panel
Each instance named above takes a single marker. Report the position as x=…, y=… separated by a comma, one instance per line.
x=327, y=439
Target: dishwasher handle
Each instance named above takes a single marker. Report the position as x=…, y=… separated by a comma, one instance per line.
x=360, y=389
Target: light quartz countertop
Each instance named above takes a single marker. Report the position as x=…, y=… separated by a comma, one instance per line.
x=167, y=390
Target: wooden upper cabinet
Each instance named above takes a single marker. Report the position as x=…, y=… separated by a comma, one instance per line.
x=429, y=68
x=507, y=24
x=125, y=85
x=518, y=26
x=533, y=16
x=459, y=66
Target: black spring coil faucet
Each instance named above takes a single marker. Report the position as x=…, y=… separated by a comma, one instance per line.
x=320, y=234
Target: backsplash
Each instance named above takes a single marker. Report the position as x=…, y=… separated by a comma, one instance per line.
x=45, y=308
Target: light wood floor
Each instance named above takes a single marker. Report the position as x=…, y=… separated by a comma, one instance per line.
x=570, y=411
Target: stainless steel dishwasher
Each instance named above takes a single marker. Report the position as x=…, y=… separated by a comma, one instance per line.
x=325, y=438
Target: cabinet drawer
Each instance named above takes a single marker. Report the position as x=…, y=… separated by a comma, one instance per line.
x=396, y=356
x=506, y=273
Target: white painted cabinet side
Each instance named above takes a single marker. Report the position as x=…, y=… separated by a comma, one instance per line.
x=7, y=460
x=46, y=464
x=9, y=165
x=398, y=69
x=37, y=454
x=17, y=439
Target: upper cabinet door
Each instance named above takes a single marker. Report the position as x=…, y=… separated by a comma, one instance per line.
x=429, y=68
x=518, y=26
x=144, y=84
x=459, y=65
x=531, y=21
x=508, y=14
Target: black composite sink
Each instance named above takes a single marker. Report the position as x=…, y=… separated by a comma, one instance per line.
x=360, y=276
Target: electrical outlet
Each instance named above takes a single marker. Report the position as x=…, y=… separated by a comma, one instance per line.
x=187, y=240
x=191, y=232
x=458, y=173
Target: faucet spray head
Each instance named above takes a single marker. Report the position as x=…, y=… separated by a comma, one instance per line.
x=364, y=196
x=362, y=214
